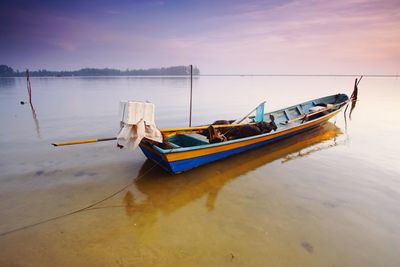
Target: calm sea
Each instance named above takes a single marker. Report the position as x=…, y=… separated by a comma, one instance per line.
x=329, y=197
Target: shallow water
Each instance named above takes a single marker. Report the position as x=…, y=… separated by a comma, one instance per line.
x=328, y=197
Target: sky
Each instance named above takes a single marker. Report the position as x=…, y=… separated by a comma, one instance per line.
x=220, y=37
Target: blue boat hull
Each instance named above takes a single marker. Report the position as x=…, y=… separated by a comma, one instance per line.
x=187, y=164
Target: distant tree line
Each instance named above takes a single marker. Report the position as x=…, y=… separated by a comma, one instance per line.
x=6, y=71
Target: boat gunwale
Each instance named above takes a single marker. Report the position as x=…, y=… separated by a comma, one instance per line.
x=168, y=130
x=282, y=131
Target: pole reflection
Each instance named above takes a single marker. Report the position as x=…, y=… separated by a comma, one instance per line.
x=36, y=121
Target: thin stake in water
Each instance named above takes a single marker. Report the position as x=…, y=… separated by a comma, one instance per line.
x=28, y=84
x=191, y=89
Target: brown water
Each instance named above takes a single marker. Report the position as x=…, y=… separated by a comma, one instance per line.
x=329, y=197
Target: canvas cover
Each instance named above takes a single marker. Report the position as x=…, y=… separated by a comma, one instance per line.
x=137, y=122
x=132, y=112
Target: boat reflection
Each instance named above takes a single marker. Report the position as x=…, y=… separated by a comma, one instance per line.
x=161, y=191
x=315, y=148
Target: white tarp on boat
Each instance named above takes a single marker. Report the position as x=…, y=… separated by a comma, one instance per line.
x=137, y=122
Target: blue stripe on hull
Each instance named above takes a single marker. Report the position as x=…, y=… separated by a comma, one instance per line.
x=156, y=158
x=186, y=164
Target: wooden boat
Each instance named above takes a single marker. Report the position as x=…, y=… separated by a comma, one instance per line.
x=185, y=148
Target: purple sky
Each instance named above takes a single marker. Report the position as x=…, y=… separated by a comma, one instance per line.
x=341, y=36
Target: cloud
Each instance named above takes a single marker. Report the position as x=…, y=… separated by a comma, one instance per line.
x=339, y=35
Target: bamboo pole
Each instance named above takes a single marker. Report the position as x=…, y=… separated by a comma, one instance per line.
x=84, y=141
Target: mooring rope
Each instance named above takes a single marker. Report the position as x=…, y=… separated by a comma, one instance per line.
x=88, y=207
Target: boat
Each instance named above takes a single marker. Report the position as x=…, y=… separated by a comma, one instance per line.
x=183, y=149
x=180, y=149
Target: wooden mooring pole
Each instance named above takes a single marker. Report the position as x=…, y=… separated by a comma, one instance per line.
x=191, y=89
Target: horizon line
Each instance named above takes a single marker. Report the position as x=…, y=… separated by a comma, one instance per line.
x=231, y=75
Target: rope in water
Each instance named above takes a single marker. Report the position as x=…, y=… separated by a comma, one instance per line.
x=78, y=210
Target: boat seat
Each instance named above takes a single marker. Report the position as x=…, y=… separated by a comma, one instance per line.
x=316, y=108
x=167, y=145
x=187, y=140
